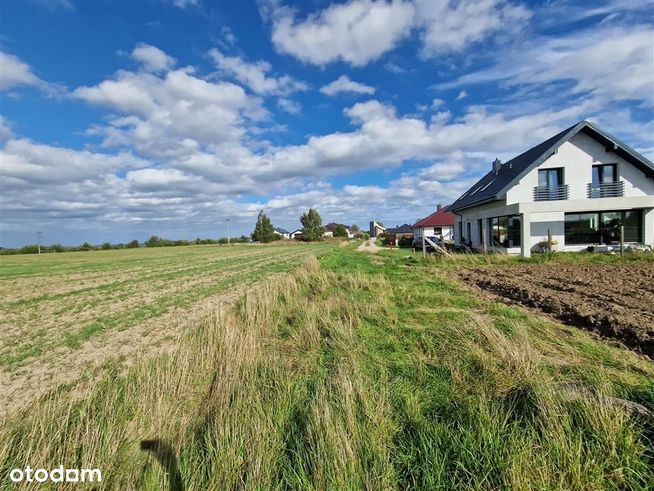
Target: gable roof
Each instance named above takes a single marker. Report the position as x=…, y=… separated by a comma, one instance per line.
x=494, y=185
x=440, y=218
x=402, y=229
x=330, y=227
x=280, y=230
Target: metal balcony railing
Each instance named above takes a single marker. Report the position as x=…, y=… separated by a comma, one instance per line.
x=606, y=190
x=551, y=193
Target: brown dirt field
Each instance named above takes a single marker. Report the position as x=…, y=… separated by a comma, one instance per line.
x=615, y=301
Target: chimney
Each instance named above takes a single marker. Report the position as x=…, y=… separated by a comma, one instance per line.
x=438, y=207
x=497, y=165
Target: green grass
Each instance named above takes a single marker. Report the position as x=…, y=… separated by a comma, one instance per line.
x=358, y=372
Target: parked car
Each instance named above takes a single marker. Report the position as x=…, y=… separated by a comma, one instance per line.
x=417, y=243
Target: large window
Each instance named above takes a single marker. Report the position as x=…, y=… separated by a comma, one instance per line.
x=550, y=178
x=505, y=231
x=603, y=174
x=603, y=227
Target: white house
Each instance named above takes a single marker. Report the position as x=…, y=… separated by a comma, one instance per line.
x=296, y=234
x=376, y=228
x=284, y=233
x=331, y=227
x=439, y=224
x=579, y=187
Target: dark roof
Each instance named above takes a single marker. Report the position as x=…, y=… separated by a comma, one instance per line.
x=493, y=185
x=280, y=230
x=402, y=229
x=440, y=218
x=330, y=227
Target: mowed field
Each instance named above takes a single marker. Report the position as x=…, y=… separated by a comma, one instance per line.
x=63, y=315
x=348, y=370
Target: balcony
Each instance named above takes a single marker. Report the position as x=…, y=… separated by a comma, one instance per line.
x=606, y=190
x=551, y=193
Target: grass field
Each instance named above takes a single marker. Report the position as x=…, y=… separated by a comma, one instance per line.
x=354, y=371
x=66, y=314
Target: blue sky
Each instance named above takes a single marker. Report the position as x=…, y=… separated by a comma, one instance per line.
x=120, y=120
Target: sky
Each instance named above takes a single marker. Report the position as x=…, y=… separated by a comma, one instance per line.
x=121, y=120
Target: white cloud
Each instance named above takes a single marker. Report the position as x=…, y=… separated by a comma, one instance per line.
x=462, y=95
x=182, y=4
x=290, y=106
x=254, y=75
x=5, y=129
x=354, y=32
x=344, y=84
x=448, y=26
x=36, y=163
x=173, y=114
x=615, y=63
x=358, y=32
x=14, y=72
x=152, y=58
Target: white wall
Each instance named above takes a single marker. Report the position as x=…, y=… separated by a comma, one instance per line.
x=577, y=157
x=446, y=231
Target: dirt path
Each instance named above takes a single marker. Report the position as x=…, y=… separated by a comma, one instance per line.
x=369, y=246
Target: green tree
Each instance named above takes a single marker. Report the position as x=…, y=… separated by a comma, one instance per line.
x=106, y=246
x=264, y=230
x=132, y=244
x=153, y=241
x=312, y=228
x=340, y=231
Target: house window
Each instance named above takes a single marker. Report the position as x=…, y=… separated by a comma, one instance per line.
x=480, y=227
x=550, y=178
x=505, y=231
x=469, y=227
x=461, y=232
x=605, y=173
x=603, y=227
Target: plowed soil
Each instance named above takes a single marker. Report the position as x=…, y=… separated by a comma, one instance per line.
x=612, y=300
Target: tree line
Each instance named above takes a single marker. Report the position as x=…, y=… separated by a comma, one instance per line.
x=264, y=231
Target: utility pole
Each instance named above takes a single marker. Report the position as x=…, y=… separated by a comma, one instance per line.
x=39, y=237
x=228, y=232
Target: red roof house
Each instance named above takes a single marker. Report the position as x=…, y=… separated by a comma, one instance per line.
x=439, y=224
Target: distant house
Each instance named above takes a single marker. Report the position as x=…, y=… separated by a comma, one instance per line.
x=376, y=228
x=296, y=234
x=439, y=224
x=582, y=188
x=330, y=227
x=284, y=233
x=399, y=232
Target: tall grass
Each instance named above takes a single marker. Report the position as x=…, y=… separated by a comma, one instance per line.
x=355, y=375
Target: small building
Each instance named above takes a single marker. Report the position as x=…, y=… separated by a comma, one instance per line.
x=439, y=224
x=376, y=228
x=394, y=235
x=581, y=188
x=284, y=233
x=296, y=234
x=331, y=227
